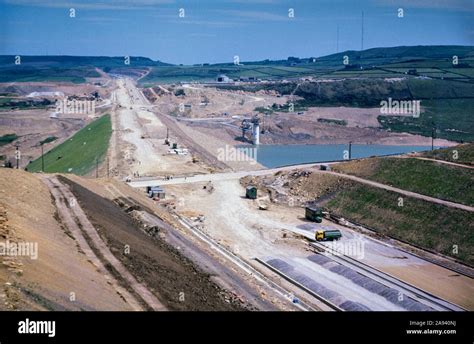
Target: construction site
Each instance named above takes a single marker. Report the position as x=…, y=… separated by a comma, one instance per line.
x=173, y=217
x=225, y=165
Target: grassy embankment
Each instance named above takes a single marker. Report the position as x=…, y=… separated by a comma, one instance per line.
x=431, y=226
x=79, y=153
x=462, y=154
x=429, y=178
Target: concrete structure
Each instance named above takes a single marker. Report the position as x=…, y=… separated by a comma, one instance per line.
x=155, y=191
x=223, y=78
x=255, y=131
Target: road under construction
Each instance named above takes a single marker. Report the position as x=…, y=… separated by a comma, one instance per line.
x=242, y=253
x=277, y=243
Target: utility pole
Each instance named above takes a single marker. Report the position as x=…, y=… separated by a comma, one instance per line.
x=433, y=131
x=17, y=155
x=42, y=157
x=97, y=168
x=350, y=150
x=108, y=168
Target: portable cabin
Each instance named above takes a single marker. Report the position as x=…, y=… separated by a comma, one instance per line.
x=251, y=192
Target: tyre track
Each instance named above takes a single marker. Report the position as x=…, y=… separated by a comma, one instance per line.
x=75, y=212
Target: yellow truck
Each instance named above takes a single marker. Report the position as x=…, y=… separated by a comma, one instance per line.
x=328, y=235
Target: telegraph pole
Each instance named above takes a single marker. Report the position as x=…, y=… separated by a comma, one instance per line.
x=17, y=155
x=42, y=157
x=433, y=131
x=97, y=168
x=350, y=150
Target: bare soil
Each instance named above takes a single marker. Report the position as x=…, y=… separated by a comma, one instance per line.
x=178, y=283
x=28, y=215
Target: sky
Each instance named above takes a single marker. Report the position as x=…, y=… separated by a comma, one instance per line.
x=212, y=31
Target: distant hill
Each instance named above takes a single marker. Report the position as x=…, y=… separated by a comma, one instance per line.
x=381, y=55
x=78, y=61
x=70, y=68
x=384, y=62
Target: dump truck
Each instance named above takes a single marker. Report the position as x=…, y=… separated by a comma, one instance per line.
x=314, y=214
x=328, y=235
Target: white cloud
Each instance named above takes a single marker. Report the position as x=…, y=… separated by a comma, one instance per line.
x=255, y=15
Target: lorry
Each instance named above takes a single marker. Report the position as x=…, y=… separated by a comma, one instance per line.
x=314, y=214
x=328, y=235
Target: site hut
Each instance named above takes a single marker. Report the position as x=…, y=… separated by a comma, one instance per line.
x=155, y=192
x=223, y=78
x=313, y=213
x=251, y=192
x=325, y=167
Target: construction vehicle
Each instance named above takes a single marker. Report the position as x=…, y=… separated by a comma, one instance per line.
x=328, y=235
x=314, y=214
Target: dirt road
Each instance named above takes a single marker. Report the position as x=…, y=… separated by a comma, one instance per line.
x=141, y=135
x=445, y=162
x=241, y=174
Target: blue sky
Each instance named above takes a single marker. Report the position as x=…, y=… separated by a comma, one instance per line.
x=215, y=31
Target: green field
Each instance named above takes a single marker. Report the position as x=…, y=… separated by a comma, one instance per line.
x=427, y=225
x=425, y=177
x=56, y=74
x=8, y=138
x=79, y=153
x=452, y=119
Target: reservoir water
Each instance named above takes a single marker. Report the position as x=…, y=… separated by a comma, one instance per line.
x=280, y=155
